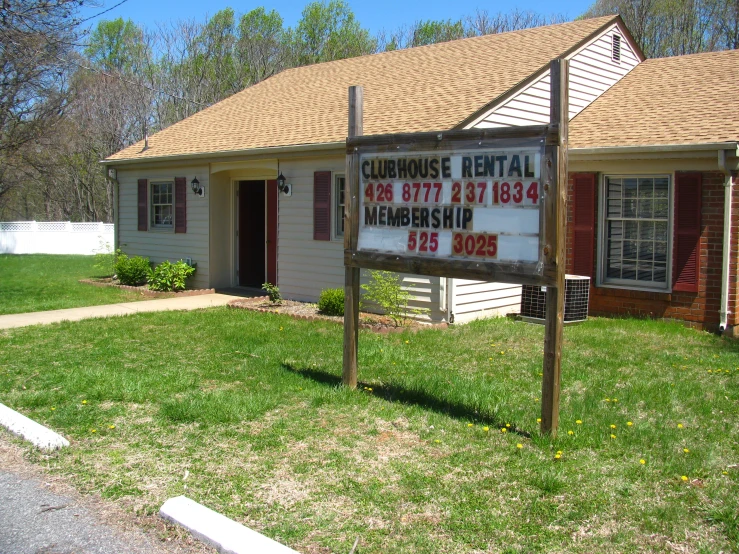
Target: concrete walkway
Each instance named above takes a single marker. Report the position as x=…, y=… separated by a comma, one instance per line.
x=107, y=310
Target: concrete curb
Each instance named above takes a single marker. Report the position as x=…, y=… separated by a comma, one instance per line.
x=216, y=530
x=40, y=436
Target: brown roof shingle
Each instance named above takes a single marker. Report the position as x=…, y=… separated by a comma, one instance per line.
x=681, y=100
x=420, y=89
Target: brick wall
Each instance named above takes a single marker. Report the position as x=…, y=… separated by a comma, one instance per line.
x=697, y=309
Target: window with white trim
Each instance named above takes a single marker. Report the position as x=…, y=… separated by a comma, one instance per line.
x=635, y=231
x=162, y=205
x=339, y=181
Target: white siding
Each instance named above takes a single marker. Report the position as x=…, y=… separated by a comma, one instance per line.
x=592, y=72
x=476, y=299
x=306, y=266
x=160, y=245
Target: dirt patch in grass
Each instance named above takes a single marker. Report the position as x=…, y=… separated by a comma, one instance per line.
x=310, y=312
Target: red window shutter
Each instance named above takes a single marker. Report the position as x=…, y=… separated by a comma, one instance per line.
x=180, y=205
x=686, y=268
x=143, y=205
x=583, y=223
x=322, y=205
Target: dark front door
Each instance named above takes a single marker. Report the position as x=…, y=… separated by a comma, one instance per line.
x=252, y=235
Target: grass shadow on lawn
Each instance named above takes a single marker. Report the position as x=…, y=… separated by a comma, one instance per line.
x=411, y=397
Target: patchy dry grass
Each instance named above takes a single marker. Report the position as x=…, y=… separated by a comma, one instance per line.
x=249, y=420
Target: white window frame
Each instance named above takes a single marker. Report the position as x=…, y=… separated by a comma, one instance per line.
x=160, y=226
x=601, y=279
x=337, y=209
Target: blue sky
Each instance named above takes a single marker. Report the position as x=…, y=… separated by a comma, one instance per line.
x=374, y=14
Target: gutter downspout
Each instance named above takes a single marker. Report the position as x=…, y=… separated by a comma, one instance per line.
x=724, y=310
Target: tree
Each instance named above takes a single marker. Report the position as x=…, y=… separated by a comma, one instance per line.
x=116, y=45
x=676, y=27
x=263, y=47
x=35, y=37
x=329, y=32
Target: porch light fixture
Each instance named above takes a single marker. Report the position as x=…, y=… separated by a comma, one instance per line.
x=283, y=187
x=196, y=188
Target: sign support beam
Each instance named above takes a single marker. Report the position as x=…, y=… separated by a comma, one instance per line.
x=556, y=218
x=351, y=230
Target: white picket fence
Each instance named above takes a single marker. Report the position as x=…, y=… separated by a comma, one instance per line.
x=54, y=237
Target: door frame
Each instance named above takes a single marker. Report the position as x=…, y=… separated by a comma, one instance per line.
x=271, y=227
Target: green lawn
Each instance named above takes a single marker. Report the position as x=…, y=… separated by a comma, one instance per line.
x=39, y=282
x=242, y=412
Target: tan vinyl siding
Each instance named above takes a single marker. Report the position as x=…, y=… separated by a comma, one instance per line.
x=160, y=245
x=306, y=266
x=222, y=231
x=592, y=72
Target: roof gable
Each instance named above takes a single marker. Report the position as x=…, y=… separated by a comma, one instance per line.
x=428, y=88
x=592, y=72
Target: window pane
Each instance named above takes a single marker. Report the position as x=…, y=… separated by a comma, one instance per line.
x=660, y=251
x=645, y=209
x=661, y=209
x=646, y=188
x=636, y=238
x=615, y=229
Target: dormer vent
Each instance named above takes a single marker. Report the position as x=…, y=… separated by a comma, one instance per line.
x=616, y=48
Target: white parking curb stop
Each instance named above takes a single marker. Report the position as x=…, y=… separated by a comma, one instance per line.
x=216, y=530
x=40, y=436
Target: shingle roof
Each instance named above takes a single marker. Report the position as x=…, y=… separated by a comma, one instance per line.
x=682, y=100
x=429, y=88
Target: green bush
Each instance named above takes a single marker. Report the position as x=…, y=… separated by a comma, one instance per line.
x=331, y=301
x=386, y=291
x=170, y=277
x=273, y=292
x=131, y=271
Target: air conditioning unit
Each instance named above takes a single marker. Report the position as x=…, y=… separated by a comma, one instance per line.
x=577, y=296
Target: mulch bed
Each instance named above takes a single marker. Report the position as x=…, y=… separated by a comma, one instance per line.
x=309, y=312
x=144, y=289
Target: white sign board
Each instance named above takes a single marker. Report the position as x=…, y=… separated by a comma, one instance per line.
x=478, y=204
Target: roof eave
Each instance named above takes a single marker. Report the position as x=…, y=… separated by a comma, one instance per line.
x=249, y=152
x=705, y=149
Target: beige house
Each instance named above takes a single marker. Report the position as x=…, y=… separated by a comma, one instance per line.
x=241, y=231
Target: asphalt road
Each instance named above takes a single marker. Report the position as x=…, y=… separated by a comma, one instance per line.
x=34, y=520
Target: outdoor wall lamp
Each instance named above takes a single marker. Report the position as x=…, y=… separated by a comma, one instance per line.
x=196, y=188
x=284, y=188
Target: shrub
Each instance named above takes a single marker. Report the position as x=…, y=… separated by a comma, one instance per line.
x=170, y=277
x=273, y=292
x=331, y=301
x=105, y=259
x=131, y=271
x=385, y=290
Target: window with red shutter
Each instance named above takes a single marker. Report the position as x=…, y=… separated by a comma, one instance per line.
x=180, y=205
x=687, y=226
x=635, y=225
x=143, y=205
x=322, y=205
x=583, y=223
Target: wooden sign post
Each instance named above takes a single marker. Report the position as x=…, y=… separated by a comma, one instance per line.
x=484, y=204
x=556, y=155
x=351, y=226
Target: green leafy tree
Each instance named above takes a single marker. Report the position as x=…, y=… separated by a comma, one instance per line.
x=329, y=31
x=262, y=47
x=431, y=32
x=116, y=45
